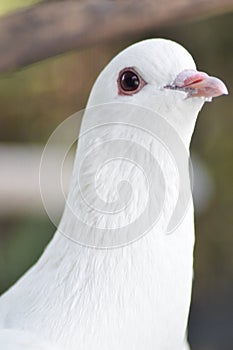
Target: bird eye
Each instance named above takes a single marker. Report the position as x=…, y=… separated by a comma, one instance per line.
x=129, y=82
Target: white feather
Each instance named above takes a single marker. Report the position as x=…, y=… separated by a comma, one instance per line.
x=136, y=296
x=11, y=339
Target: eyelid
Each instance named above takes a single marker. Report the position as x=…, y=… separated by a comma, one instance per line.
x=130, y=93
x=132, y=69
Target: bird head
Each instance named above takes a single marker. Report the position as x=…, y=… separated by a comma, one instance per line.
x=160, y=75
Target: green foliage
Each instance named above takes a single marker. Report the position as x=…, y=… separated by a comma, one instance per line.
x=22, y=242
x=13, y=5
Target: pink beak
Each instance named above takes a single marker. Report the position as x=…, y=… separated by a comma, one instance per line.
x=198, y=84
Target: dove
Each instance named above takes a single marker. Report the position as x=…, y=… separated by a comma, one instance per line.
x=118, y=272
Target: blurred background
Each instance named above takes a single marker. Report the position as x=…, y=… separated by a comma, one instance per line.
x=35, y=99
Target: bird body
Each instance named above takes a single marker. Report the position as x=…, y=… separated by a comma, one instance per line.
x=114, y=276
x=99, y=294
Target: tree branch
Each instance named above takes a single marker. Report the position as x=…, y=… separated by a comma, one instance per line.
x=55, y=27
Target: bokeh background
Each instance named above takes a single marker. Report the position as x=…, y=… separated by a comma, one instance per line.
x=34, y=100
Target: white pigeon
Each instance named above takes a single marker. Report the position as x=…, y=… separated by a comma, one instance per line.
x=116, y=275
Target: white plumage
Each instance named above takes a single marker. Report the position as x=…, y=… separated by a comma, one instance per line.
x=137, y=295
x=12, y=339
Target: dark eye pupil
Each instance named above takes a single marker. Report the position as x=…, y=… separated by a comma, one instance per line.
x=129, y=81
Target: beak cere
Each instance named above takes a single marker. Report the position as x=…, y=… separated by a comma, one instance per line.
x=198, y=84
